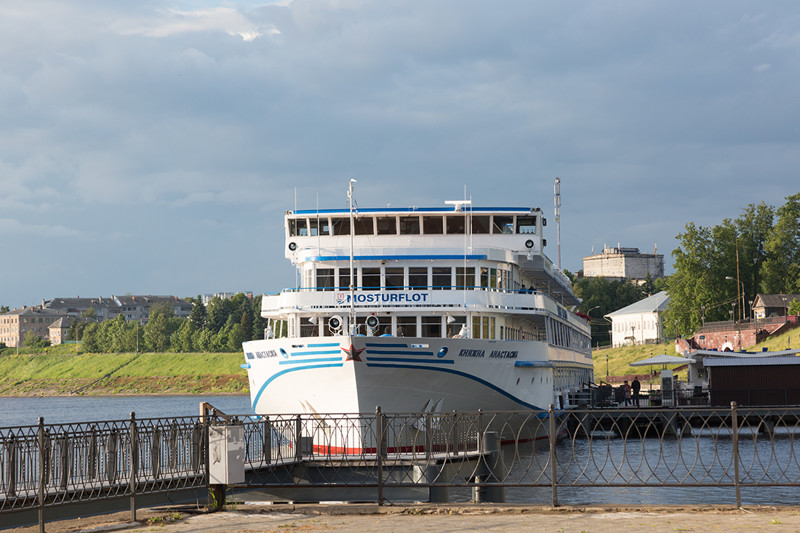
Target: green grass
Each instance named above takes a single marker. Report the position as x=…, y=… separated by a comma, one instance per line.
x=150, y=372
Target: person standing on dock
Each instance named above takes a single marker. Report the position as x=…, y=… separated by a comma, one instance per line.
x=626, y=393
x=636, y=387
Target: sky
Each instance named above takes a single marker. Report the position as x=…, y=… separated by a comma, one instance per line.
x=152, y=147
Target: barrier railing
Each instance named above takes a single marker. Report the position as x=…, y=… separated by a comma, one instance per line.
x=484, y=452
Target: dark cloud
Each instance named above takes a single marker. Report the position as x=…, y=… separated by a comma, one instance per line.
x=153, y=147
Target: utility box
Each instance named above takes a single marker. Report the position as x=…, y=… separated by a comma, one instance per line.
x=226, y=455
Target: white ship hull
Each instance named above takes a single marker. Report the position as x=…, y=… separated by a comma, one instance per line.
x=401, y=375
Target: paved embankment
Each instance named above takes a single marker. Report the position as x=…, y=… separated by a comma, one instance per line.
x=442, y=519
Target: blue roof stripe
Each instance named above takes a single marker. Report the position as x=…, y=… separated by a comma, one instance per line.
x=446, y=209
x=390, y=257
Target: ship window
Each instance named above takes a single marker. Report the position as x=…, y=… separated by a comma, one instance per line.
x=387, y=225
x=364, y=226
x=441, y=278
x=307, y=329
x=394, y=278
x=325, y=279
x=313, y=226
x=418, y=277
x=455, y=225
x=465, y=278
x=370, y=278
x=503, y=224
x=298, y=227
x=526, y=224
x=341, y=226
x=406, y=326
x=454, y=325
x=324, y=226
x=480, y=224
x=344, y=279
x=433, y=225
x=431, y=326
x=409, y=225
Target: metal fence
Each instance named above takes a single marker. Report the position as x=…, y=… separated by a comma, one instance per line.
x=481, y=452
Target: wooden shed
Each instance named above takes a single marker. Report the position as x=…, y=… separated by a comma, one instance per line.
x=754, y=381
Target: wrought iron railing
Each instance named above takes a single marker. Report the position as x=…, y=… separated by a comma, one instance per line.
x=481, y=452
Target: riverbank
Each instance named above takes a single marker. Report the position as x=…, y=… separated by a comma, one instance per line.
x=440, y=517
x=119, y=374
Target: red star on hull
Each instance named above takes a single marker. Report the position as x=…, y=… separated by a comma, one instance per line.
x=353, y=354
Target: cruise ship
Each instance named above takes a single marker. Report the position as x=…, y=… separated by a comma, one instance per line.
x=419, y=309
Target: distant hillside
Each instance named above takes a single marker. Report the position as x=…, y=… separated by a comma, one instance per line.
x=126, y=373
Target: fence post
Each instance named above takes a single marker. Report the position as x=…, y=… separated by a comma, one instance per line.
x=111, y=456
x=267, y=442
x=42, y=467
x=93, y=454
x=379, y=430
x=11, y=463
x=553, y=466
x=735, y=451
x=63, y=451
x=428, y=437
x=455, y=436
x=155, y=452
x=298, y=432
x=134, y=463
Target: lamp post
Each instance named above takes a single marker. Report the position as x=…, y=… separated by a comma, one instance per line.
x=737, y=296
x=703, y=315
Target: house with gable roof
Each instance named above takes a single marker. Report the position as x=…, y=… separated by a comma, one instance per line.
x=640, y=322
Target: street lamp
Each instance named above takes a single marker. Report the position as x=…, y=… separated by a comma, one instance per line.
x=703, y=314
x=737, y=296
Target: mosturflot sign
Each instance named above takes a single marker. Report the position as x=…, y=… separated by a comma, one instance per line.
x=387, y=297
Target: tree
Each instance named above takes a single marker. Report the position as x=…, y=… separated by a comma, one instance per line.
x=4, y=309
x=794, y=307
x=156, y=333
x=259, y=322
x=602, y=296
x=32, y=340
x=90, y=338
x=782, y=266
x=183, y=340
x=236, y=336
x=198, y=315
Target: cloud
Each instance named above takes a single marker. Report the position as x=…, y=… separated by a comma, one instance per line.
x=171, y=22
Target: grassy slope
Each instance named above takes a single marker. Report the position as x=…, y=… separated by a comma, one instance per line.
x=619, y=359
x=62, y=373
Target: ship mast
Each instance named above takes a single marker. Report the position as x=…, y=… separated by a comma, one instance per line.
x=557, y=202
x=352, y=318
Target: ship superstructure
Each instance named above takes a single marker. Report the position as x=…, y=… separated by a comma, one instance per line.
x=419, y=309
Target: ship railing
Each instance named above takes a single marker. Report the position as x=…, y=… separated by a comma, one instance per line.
x=451, y=455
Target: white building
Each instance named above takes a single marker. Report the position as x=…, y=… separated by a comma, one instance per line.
x=639, y=323
x=624, y=263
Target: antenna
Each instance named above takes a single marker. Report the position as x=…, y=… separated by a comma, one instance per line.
x=352, y=231
x=557, y=200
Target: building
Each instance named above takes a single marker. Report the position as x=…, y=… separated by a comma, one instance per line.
x=15, y=324
x=624, y=263
x=769, y=305
x=131, y=307
x=640, y=322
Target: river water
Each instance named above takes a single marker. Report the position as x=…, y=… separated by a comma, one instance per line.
x=595, y=460
x=58, y=410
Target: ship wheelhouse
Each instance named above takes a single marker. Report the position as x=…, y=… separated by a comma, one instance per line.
x=456, y=271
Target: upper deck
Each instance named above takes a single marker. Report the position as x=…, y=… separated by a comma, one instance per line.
x=485, y=235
